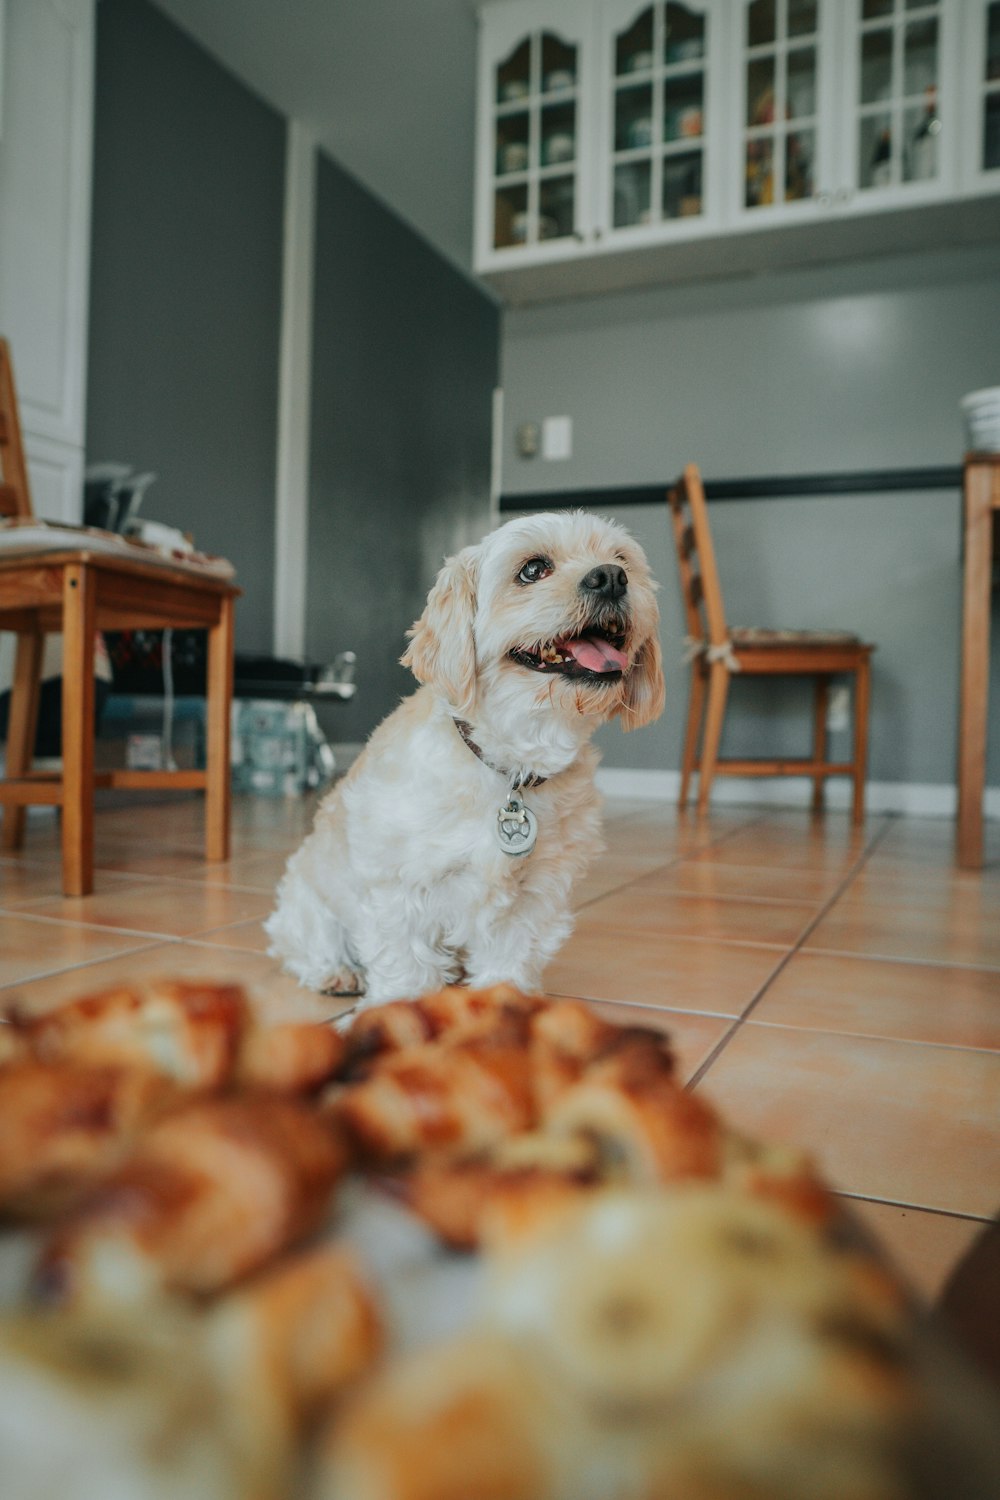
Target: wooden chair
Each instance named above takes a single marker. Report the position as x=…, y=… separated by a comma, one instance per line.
x=719, y=650
x=78, y=589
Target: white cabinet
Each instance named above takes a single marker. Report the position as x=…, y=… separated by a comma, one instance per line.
x=614, y=127
x=45, y=174
x=901, y=104
x=536, y=111
x=981, y=73
x=659, y=161
x=784, y=64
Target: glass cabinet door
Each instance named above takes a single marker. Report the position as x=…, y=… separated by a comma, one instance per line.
x=786, y=54
x=659, y=99
x=899, y=103
x=535, y=139
x=986, y=90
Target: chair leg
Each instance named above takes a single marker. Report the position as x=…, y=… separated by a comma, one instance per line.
x=696, y=704
x=718, y=690
x=22, y=725
x=79, y=609
x=862, y=695
x=219, y=702
x=819, y=742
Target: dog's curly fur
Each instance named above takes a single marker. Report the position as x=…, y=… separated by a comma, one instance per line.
x=401, y=887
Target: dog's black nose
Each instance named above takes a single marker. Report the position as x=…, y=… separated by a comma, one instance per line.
x=609, y=580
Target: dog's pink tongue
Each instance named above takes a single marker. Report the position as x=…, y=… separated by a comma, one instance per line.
x=596, y=654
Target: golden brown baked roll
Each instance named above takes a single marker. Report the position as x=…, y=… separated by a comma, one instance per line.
x=524, y=1179
x=311, y=1323
x=188, y=1031
x=646, y=1128
x=209, y=1194
x=296, y=1057
x=449, y=1015
x=460, y=1422
x=63, y=1127
x=454, y=1100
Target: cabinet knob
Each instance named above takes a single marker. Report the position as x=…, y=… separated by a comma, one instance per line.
x=823, y=200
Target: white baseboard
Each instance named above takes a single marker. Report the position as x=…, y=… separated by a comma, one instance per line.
x=911, y=798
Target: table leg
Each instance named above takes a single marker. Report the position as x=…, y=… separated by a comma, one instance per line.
x=22, y=725
x=220, y=697
x=79, y=607
x=978, y=517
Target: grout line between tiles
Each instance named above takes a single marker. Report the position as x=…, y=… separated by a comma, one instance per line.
x=899, y=958
x=876, y=1036
x=727, y=1036
x=90, y=963
x=140, y=932
x=667, y=864
x=917, y=1208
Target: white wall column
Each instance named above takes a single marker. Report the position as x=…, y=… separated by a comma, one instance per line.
x=294, y=389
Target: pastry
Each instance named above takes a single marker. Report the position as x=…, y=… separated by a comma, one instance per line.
x=210, y=1193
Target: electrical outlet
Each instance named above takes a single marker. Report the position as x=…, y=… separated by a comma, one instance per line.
x=557, y=437
x=838, y=711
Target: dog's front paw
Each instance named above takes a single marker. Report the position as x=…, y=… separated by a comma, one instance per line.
x=343, y=982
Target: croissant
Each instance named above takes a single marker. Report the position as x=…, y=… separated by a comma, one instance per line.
x=187, y=1030
x=311, y=1323
x=451, y=1014
x=295, y=1057
x=455, y=1100
x=523, y=1180
x=646, y=1127
x=63, y=1127
x=209, y=1194
x=466, y=1421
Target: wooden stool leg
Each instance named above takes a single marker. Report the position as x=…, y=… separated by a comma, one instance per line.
x=79, y=605
x=22, y=725
x=696, y=704
x=862, y=694
x=975, y=679
x=819, y=742
x=718, y=689
x=219, y=703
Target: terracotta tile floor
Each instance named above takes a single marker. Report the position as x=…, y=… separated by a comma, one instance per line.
x=834, y=988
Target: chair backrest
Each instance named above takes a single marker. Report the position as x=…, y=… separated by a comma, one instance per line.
x=705, y=616
x=15, y=491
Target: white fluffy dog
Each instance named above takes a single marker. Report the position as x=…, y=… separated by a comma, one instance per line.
x=448, y=852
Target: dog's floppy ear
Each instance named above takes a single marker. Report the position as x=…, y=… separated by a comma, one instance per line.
x=442, y=649
x=644, y=687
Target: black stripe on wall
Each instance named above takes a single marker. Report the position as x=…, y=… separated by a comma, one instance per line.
x=777, y=487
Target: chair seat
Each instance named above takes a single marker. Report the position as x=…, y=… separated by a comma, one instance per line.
x=757, y=638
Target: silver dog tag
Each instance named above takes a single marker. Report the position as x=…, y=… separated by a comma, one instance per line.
x=516, y=827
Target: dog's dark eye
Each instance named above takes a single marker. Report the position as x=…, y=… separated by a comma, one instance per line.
x=534, y=569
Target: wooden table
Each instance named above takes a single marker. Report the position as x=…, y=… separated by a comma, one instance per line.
x=981, y=502
x=78, y=592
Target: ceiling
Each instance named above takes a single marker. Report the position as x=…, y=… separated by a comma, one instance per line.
x=386, y=86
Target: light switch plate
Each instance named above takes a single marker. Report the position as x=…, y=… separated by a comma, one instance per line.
x=557, y=437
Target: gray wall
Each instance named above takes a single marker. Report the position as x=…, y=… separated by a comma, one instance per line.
x=405, y=354
x=186, y=292
x=859, y=366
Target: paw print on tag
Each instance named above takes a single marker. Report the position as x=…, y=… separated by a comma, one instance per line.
x=516, y=828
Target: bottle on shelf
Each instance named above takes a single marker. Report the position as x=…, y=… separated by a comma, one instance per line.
x=881, y=167
x=924, y=147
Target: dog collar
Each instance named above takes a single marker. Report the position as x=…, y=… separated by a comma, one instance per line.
x=517, y=782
